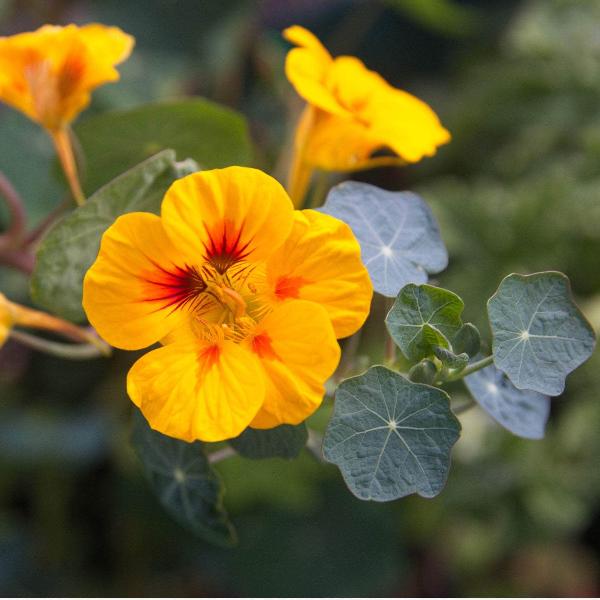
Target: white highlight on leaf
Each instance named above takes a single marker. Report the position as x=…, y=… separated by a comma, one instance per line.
x=525, y=335
x=179, y=475
x=492, y=388
x=387, y=251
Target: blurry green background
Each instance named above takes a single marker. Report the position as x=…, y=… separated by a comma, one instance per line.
x=518, y=189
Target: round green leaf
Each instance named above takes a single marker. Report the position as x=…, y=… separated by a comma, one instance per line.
x=285, y=441
x=467, y=340
x=539, y=334
x=399, y=238
x=391, y=437
x=187, y=487
x=70, y=247
x=210, y=134
x=522, y=412
x=423, y=317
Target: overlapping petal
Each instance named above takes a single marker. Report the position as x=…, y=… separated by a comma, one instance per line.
x=227, y=215
x=298, y=352
x=198, y=391
x=48, y=74
x=306, y=68
x=320, y=262
x=132, y=292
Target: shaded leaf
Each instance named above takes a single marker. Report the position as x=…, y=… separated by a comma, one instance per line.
x=467, y=340
x=539, y=334
x=70, y=247
x=423, y=372
x=522, y=412
x=210, y=134
x=398, y=235
x=423, y=317
x=391, y=437
x=181, y=477
x=285, y=441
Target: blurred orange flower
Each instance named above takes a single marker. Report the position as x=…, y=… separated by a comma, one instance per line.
x=246, y=295
x=352, y=112
x=48, y=74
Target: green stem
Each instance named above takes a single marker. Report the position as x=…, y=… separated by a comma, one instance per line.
x=70, y=351
x=314, y=444
x=222, y=454
x=476, y=366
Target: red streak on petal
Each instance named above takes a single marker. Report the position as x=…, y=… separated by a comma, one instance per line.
x=289, y=287
x=210, y=356
x=176, y=288
x=225, y=247
x=261, y=345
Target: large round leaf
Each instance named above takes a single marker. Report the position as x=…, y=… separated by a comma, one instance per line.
x=391, y=437
x=212, y=135
x=187, y=487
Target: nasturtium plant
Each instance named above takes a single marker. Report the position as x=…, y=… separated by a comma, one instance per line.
x=245, y=295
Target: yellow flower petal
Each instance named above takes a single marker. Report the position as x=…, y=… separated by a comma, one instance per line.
x=320, y=262
x=298, y=352
x=355, y=113
x=198, y=391
x=227, y=215
x=132, y=291
x=306, y=68
x=49, y=74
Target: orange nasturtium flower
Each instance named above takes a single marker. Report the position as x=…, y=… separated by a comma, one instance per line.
x=352, y=112
x=48, y=75
x=246, y=296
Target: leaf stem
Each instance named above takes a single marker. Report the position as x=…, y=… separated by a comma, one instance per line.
x=390, y=345
x=472, y=368
x=70, y=351
x=16, y=208
x=314, y=444
x=222, y=454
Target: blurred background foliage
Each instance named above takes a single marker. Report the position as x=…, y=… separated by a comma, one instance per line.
x=518, y=189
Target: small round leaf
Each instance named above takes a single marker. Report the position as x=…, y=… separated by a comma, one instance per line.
x=399, y=238
x=423, y=317
x=539, y=334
